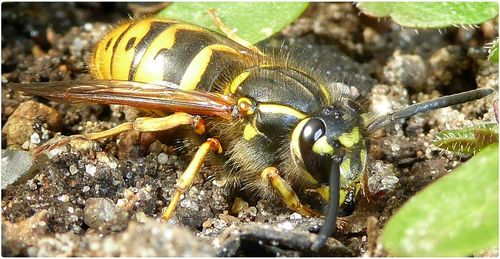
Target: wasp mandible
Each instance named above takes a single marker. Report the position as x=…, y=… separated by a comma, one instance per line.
x=283, y=127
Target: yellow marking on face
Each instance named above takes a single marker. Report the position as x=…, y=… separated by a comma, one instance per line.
x=249, y=132
x=199, y=64
x=343, y=194
x=321, y=146
x=236, y=82
x=276, y=108
x=294, y=142
x=102, y=55
x=295, y=150
x=151, y=67
x=324, y=192
x=348, y=139
x=346, y=166
x=363, y=156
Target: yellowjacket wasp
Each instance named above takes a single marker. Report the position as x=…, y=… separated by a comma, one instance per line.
x=284, y=128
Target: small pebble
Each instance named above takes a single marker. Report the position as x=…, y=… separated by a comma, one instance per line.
x=101, y=214
x=73, y=169
x=90, y=169
x=88, y=26
x=162, y=158
x=63, y=198
x=35, y=138
x=286, y=225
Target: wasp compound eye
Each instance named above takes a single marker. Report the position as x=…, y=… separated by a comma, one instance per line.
x=313, y=130
x=315, y=150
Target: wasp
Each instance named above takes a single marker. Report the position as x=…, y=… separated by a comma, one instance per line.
x=284, y=129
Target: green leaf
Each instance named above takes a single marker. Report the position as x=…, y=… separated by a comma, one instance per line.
x=493, y=52
x=432, y=15
x=468, y=140
x=251, y=21
x=455, y=216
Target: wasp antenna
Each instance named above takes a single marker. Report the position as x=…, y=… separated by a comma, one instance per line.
x=441, y=102
x=333, y=205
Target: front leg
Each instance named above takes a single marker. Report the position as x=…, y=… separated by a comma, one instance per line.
x=286, y=192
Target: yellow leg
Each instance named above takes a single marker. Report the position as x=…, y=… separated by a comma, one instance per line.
x=146, y=124
x=186, y=179
x=107, y=133
x=230, y=33
x=286, y=192
x=142, y=124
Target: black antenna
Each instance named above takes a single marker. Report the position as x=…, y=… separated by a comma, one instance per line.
x=333, y=206
x=441, y=102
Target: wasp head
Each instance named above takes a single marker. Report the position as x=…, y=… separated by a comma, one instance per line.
x=330, y=145
x=334, y=131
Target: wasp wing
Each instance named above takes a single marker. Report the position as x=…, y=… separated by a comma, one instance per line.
x=165, y=96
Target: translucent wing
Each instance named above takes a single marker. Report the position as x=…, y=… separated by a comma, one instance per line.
x=165, y=96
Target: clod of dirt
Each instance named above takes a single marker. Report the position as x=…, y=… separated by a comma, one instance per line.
x=61, y=245
x=19, y=128
x=407, y=70
x=387, y=98
x=17, y=166
x=261, y=240
x=101, y=214
x=152, y=238
x=383, y=177
x=139, y=240
x=17, y=237
x=448, y=63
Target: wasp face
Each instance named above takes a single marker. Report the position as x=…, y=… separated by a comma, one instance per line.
x=334, y=131
x=330, y=146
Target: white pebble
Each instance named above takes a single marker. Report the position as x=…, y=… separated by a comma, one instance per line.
x=187, y=203
x=86, y=188
x=88, y=26
x=73, y=169
x=162, y=158
x=26, y=145
x=112, y=165
x=63, y=198
x=286, y=225
x=35, y=138
x=71, y=210
x=90, y=169
x=295, y=215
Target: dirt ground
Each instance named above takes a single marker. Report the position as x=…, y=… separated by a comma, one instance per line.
x=103, y=198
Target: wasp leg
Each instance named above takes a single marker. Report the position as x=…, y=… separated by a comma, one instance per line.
x=286, y=192
x=146, y=124
x=186, y=179
x=229, y=32
x=142, y=124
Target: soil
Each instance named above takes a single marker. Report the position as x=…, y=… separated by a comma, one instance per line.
x=104, y=198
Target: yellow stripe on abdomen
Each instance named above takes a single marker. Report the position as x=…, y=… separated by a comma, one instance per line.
x=199, y=64
x=103, y=53
x=124, y=51
x=151, y=67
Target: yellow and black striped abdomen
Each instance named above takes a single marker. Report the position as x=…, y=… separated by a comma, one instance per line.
x=156, y=50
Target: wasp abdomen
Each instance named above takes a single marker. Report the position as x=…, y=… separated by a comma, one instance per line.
x=158, y=50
